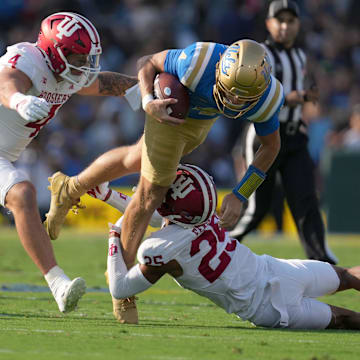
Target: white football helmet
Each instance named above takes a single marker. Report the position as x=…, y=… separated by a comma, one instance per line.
x=191, y=199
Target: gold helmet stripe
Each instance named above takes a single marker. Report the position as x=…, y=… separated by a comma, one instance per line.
x=271, y=107
x=198, y=64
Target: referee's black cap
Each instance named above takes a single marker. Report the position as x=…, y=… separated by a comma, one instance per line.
x=280, y=5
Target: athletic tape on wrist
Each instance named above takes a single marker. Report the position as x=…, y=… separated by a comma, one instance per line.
x=252, y=179
x=15, y=99
x=146, y=99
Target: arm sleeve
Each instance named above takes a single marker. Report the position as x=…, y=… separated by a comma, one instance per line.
x=123, y=283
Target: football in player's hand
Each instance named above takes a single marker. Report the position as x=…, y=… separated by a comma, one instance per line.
x=168, y=86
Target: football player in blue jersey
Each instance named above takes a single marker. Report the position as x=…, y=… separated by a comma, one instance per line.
x=234, y=81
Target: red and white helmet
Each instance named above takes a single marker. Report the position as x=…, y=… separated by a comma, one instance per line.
x=191, y=199
x=66, y=33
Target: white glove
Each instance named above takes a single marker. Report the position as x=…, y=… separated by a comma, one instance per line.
x=30, y=108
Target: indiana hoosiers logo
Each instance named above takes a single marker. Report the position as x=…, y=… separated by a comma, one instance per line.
x=113, y=249
x=191, y=199
x=182, y=187
x=67, y=27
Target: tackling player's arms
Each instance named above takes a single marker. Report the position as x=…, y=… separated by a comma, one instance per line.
x=12, y=81
x=154, y=273
x=109, y=83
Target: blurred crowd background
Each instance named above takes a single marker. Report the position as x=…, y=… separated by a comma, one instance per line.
x=129, y=29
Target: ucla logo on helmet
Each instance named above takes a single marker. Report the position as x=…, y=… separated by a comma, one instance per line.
x=229, y=59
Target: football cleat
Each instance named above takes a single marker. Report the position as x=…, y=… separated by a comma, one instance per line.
x=68, y=296
x=125, y=310
x=61, y=203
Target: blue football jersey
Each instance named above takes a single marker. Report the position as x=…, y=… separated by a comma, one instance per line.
x=195, y=67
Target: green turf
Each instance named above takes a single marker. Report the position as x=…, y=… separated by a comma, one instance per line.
x=174, y=324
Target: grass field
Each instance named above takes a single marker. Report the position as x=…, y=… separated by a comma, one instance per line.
x=174, y=323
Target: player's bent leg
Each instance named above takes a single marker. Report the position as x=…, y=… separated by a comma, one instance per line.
x=21, y=200
x=344, y=319
x=66, y=191
x=148, y=197
x=111, y=165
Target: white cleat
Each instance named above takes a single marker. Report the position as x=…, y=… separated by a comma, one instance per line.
x=70, y=294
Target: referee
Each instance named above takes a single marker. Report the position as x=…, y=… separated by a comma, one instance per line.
x=293, y=163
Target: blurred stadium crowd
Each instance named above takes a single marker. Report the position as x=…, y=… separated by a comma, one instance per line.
x=132, y=28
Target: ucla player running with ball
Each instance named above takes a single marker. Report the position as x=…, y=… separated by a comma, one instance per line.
x=231, y=80
x=234, y=81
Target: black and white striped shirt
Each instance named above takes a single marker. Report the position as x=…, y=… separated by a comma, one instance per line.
x=288, y=66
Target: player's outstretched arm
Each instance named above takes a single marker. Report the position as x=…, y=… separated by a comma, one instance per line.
x=233, y=203
x=125, y=283
x=109, y=84
x=119, y=201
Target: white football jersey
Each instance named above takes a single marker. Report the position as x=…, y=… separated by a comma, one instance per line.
x=15, y=132
x=215, y=266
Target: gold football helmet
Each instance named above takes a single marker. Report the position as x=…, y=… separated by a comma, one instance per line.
x=242, y=76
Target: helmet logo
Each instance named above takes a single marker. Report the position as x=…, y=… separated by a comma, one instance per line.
x=67, y=27
x=228, y=60
x=180, y=188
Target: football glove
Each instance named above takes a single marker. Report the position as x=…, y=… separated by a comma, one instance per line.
x=30, y=108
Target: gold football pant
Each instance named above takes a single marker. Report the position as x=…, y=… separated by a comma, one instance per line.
x=164, y=146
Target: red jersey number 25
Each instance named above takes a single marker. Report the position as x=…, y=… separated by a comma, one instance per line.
x=212, y=236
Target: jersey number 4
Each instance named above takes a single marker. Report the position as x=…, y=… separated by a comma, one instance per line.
x=13, y=60
x=37, y=125
x=212, y=237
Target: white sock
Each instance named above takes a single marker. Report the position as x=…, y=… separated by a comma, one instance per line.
x=56, y=278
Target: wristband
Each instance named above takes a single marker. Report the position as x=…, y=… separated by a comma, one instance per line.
x=15, y=99
x=252, y=179
x=146, y=99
